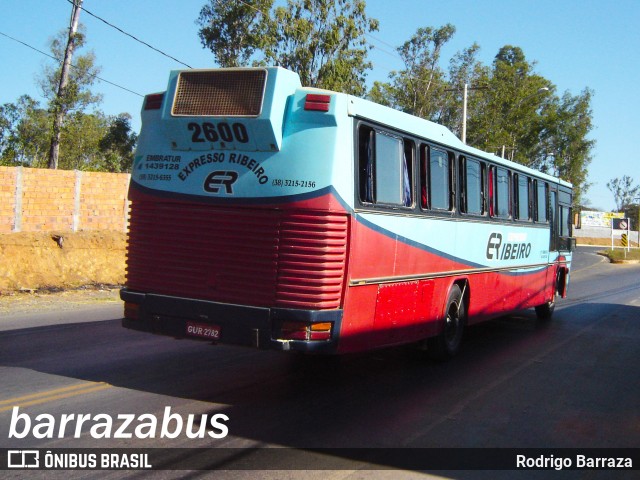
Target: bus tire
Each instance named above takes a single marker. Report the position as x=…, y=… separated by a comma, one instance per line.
x=545, y=311
x=447, y=343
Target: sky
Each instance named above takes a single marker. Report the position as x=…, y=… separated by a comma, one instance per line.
x=576, y=44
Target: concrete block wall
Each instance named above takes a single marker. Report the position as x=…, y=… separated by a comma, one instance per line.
x=43, y=200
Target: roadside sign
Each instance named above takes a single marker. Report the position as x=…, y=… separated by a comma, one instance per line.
x=620, y=223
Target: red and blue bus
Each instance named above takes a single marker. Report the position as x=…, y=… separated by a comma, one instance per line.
x=271, y=215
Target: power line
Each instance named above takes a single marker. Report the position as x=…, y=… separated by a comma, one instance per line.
x=73, y=66
x=131, y=36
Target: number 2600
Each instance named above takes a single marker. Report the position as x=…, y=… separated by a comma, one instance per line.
x=221, y=132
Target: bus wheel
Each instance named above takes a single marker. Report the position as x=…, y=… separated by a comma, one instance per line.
x=447, y=344
x=545, y=311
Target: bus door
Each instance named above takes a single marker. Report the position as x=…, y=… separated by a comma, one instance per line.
x=561, y=242
x=566, y=241
x=553, y=221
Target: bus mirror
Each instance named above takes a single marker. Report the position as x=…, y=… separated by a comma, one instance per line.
x=572, y=243
x=566, y=244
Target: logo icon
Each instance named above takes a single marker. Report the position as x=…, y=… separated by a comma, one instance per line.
x=218, y=179
x=493, y=246
x=23, y=459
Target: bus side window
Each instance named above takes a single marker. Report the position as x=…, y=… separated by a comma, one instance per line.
x=501, y=195
x=424, y=159
x=472, y=174
x=407, y=173
x=541, y=189
x=439, y=174
x=523, y=197
x=565, y=221
x=366, y=163
x=385, y=168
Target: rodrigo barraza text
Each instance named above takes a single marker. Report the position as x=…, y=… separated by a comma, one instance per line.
x=579, y=462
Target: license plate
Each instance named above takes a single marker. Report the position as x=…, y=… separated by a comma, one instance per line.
x=203, y=330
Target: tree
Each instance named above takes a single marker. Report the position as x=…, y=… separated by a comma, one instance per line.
x=464, y=69
x=67, y=89
x=322, y=40
x=566, y=126
x=9, y=118
x=623, y=191
x=89, y=141
x=78, y=95
x=419, y=88
x=59, y=113
x=512, y=111
x=510, y=119
x=118, y=144
x=233, y=30
x=24, y=133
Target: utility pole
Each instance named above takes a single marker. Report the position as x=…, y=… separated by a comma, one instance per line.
x=59, y=113
x=465, y=96
x=464, y=114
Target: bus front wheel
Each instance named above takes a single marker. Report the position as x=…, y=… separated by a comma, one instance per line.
x=447, y=344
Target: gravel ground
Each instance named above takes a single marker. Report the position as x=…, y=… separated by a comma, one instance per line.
x=22, y=302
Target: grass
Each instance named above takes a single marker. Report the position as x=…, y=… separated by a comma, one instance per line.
x=620, y=254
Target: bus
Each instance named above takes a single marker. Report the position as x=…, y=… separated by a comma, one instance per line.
x=270, y=215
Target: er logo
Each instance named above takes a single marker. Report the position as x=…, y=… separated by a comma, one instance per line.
x=219, y=179
x=493, y=246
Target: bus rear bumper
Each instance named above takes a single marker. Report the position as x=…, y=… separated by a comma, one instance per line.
x=310, y=331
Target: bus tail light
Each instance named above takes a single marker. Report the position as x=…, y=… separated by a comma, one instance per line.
x=317, y=103
x=154, y=101
x=305, y=331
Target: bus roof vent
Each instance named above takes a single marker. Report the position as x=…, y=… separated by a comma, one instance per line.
x=220, y=93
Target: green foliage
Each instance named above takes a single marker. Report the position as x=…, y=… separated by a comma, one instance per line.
x=511, y=110
x=233, y=30
x=24, y=133
x=624, y=193
x=420, y=88
x=322, y=40
x=118, y=144
x=78, y=96
x=89, y=141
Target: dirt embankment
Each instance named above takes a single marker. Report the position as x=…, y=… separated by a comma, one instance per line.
x=32, y=262
x=58, y=261
x=604, y=242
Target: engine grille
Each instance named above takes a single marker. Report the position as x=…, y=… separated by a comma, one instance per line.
x=247, y=257
x=232, y=93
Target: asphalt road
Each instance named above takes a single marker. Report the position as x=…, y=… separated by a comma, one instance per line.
x=571, y=383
